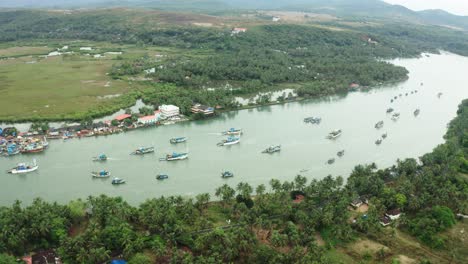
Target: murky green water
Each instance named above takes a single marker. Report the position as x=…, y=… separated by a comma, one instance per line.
x=65, y=168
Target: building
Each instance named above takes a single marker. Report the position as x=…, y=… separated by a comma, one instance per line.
x=121, y=118
x=393, y=214
x=168, y=111
x=385, y=221
x=276, y=19
x=238, y=30
x=206, y=110
x=151, y=119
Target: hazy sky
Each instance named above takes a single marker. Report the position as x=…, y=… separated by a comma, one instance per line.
x=459, y=7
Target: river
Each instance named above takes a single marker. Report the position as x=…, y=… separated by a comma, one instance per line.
x=64, y=172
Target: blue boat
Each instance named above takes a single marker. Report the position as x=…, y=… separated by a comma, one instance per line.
x=143, y=151
x=175, y=156
x=229, y=141
x=178, y=140
x=227, y=174
x=162, y=176
x=101, y=157
x=101, y=174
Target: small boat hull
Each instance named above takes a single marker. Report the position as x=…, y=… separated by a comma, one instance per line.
x=16, y=171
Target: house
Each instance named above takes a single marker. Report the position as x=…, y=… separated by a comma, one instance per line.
x=97, y=56
x=356, y=203
x=151, y=119
x=168, y=111
x=276, y=19
x=206, y=110
x=86, y=48
x=393, y=214
x=149, y=71
x=238, y=30
x=385, y=221
x=299, y=198
x=46, y=257
x=121, y=118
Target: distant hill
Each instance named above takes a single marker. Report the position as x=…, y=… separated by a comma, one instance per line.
x=342, y=8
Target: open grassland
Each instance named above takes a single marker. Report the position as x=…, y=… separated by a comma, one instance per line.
x=59, y=87
x=23, y=51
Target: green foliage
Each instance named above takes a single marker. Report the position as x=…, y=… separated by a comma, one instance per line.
x=7, y=259
x=139, y=259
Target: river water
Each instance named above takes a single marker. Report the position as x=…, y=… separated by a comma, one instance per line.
x=64, y=172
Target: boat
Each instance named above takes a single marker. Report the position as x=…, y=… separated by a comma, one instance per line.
x=384, y=136
x=178, y=140
x=143, y=150
x=379, y=125
x=313, y=120
x=11, y=150
x=117, y=181
x=416, y=112
x=162, y=176
x=101, y=174
x=391, y=101
x=33, y=148
x=233, y=131
x=229, y=141
x=101, y=157
x=335, y=134
x=303, y=170
x=272, y=149
x=340, y=153
x=378, y=141
x=439, y=95
x=395, y=116
x=331, y=161
x=175, y=156
x=389, y=110
x=227, y=174
x=24, y=168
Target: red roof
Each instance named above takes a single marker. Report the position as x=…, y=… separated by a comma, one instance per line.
x=157, y=112
x=145, y=118
x=122, y=117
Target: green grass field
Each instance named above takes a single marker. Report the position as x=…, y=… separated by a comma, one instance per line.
x=55, y=87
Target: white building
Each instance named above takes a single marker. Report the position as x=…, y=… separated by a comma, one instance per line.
x=238, y=30
x=168, y=111
x=86, y=48
x=276, y=19
x=149, y=71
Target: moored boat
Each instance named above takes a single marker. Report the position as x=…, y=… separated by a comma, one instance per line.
x=24, y=168
x=313, y=120
x=378, y=141
x=101, y=157
x=331, y=161
x=335, y=134
x=33, y=148
x=175, y=156
x=101, y=174
x=143, y=150
x=229, y=141
x=233, y=131
x=117, y=181
x=162, y=176
x=395, y=116
x=272, y=149
x=379, y=125
x=439, y=95
x=384, y=136
x=178, y=140
x=389, y=110
x=227, y=174
x=340, y=153
x=416, y=112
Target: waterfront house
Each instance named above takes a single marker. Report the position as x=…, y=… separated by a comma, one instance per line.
x=206, y=110
x=121, y=118
x=393, y=214
x=168, y=111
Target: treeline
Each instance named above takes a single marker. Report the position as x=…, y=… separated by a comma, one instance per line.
x=269, y=227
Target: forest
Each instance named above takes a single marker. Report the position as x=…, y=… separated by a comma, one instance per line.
x=254, y=224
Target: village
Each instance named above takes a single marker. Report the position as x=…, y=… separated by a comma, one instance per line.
x=14, y=142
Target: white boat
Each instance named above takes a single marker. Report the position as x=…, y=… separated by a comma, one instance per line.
x=233, y=131
x=335, y=134
x=101, y=174
x=24, y=168
x=175, y=156
x=229, y=141
x=272, y=149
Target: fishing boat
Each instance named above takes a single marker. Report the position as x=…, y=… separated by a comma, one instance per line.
x=389, y=110
x=340, y=153
x=162, y=176
x=379, y=125
x=178, y=140
x=233, y=131
x=24, y=168
x=395, y=116
x=229, y=141
x=331, y=161
x=416, y=112
x=101, y=157
x=272, y=149
x=11, y=150
x=335, y=134
x=313, y=120
x=33, y=148
x=117, y=181
x=175, y=156
x=143, y=151
x=227, y=174
x=378, y=141
x=101, y=174
x=384, y=136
